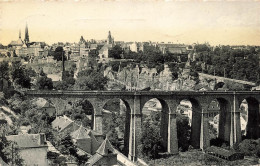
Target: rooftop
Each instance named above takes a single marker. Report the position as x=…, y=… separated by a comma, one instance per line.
x=28, y=140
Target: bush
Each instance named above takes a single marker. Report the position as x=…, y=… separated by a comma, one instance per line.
x=249, y=147
x=183, y=132
x=150, y=139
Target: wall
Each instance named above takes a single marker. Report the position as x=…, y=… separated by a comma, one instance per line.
x=35, y=156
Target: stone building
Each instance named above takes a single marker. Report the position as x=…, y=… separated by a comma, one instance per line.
x=32, y=148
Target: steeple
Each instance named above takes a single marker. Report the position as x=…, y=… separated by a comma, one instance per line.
x=109, y=38
x=26, y=38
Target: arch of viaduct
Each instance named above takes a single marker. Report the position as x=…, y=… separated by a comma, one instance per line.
x=229, y=119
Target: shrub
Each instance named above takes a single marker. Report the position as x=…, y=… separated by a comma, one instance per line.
x=249, y=147
x=183, y=132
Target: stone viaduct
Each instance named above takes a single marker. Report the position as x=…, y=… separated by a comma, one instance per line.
x=229, y=115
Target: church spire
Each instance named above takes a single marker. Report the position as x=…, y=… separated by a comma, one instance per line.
x=109, y=38
x=26, y=38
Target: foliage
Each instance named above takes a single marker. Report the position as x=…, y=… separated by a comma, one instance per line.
x=170, y=57
x=52, y=155
x=116, y=52
x=67, y=82
x=150, y=138
x=43, y=82
x=4, y=73
x=30, y=72
x=183, y=132
x=60, y=160
x=201, y=47
x=82, y=159
x=9, y=149
x=113, y=138
x=90, y=80
x=159, y=68
x=109, y=125
x=250, y=147
x=81, y=111
x=59, y=53
x=115, y=65
x=240, y=64
x=153, y=56
x=132, y=55
x=114, y=123
x=67, y=147
x=174, y=68
x=20, y=75
x=92, y=58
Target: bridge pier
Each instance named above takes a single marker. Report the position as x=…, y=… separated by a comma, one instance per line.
x=97, y=123
x=235, y=133
x=172, y=141
x=98, y=117
x=135, y=129
x=172, y=135
x=204, y=127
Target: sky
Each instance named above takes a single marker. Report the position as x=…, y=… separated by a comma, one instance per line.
x=217, y=22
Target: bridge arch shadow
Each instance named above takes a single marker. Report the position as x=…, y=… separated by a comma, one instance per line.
x=189, y=109
x=156, y=111
x=250, y=118
x=219, y=120
x=88, y=109
x=116, y=123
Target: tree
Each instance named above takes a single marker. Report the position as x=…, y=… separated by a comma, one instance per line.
x=153, y=56
x=9, y=152
x=67, y=147
x=113, y=138
x=30, y=72
x=115, y=65
x=19, y=75
x=201, y=48
x=67, y=81
x=150, y=138
x=116, y=52
x=4, y=73
x=59, y=53
x=183, y=132
x=43, y=82
x=90, y=80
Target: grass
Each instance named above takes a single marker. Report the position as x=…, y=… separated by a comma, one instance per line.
x=195, y=158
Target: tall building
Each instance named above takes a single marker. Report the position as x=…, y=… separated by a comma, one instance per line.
x=26, y=38
x=109, y=38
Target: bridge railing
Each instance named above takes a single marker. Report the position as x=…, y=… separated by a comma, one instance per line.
x=134, y=92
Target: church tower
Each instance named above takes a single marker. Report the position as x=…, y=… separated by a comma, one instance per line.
x=109, y=38
x=26, y=38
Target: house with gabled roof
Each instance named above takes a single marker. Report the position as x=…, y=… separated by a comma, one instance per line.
x=62, y=123
x=32, y=148
x=106, y=154
x=85, y=140
x=45, y=106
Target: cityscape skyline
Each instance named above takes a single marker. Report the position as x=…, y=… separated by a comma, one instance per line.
x=233, y=23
